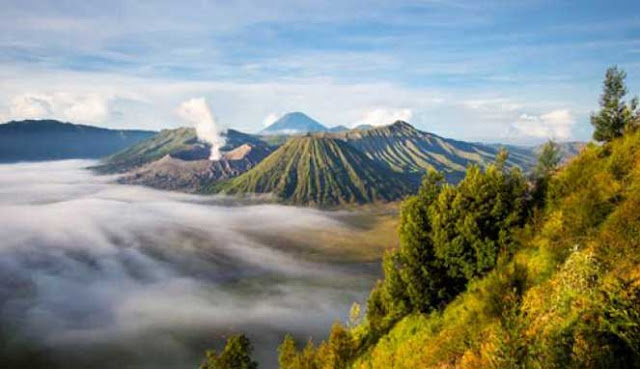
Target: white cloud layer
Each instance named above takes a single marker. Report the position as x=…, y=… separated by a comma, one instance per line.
x=94, y=270
x=80, y=108
x=556, y=124
x=385, y=116
x=133, y=102
x=271, y=118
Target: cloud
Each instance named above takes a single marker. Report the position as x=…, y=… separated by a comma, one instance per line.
x=30, y=106
x=271, y=118
x=81, y=108
x=492, y=105
x=556, y=124
x=93, y=270
x=135, y=102
x=384, y=116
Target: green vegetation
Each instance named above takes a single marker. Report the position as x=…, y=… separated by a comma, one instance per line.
x=615, y=116
x=549, y=160
x=235, y=355
x=449, y=235
x=180, y=142
x=405, y=149
x=507, y=287
x=319, y=171
x=322, y=169
x=488, y=276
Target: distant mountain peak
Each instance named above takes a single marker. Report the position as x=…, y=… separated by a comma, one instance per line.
x=402, y=123
x=294, y=123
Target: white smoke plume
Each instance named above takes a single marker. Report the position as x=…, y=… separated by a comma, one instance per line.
x=196, y=112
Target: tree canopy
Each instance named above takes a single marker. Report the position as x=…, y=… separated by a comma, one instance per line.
x=449, y=235
x=615, y=115
x=235, y=355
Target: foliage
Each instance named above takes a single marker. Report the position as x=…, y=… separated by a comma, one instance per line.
x=569, y=297
x=615, y=115
x=316, y=170
x=235, y=355
x=478, y=282
x=403, y=148
x=449, y=235
x=548, y=160
x=335, y=353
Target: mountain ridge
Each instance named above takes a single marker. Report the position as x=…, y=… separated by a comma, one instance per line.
x=49, y=139
x=317, y=170
x=406, y=149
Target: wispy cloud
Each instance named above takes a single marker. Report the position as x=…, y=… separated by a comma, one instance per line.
x=454, y=51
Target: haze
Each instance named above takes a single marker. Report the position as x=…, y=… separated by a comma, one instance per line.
x=91, y=271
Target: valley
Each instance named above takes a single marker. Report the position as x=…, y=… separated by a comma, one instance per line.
x=153, y=278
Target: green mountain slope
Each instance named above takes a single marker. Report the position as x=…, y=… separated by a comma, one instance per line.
x=180, y=143
x=405, y=149
x=569, y=298
x=322, y=171
x=561, y=289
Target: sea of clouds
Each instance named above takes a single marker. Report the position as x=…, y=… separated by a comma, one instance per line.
x=101, y=275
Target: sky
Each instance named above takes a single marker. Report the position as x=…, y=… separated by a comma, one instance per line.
x=494, y=71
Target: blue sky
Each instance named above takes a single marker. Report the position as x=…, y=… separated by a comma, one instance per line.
x=508, y=71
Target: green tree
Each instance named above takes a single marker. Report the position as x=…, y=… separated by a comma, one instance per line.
x=473, y=223
x=235, y=355
x=615, y=115
x=341, y=347
x=421, y=272
x=548, y=160
x=287, y=353
x=307, y=359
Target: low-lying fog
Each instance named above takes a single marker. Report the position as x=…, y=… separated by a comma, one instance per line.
x=101, y=275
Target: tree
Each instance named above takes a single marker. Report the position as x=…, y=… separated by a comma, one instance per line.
x=287, y=353
x=341, y=347
x=421, y=272
x=473, y=223
x=548, y=159
x=615, y=115
x=448, y=236
x=235, y=355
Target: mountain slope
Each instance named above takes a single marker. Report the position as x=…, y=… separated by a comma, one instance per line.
x=569, y=297
x=176, y=174
x=181, y=143
x=405, y=149
x=31, y=140
x=321, y=171
x=567, y=150
x=293, y=123
x=337, y=129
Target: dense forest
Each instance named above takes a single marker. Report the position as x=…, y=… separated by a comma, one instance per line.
x=503, y=269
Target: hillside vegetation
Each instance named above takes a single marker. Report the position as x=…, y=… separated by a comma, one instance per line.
x=495, y=273
x=568, y=298
x=181, y=143
x=405, y=149
x=503, y=271
x=319, y=170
